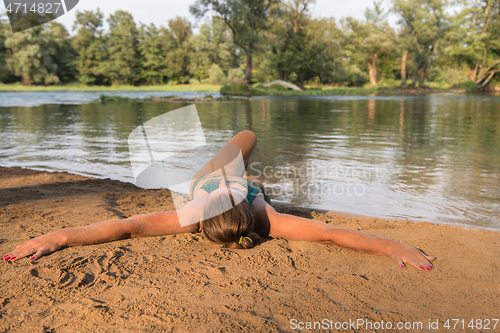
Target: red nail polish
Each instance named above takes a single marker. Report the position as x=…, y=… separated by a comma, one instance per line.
x=6, y=258
x=421, y=267
x=403, y=266
x=32, y=258
x=428, y=268
x=12, y=258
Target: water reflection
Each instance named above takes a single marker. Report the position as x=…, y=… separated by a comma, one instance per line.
x=427, y=158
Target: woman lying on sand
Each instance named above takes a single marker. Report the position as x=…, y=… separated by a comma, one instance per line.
x=214, y=212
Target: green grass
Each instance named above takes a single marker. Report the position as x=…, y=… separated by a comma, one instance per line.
x=80, y=87
x=469, y=85
x=395, y=89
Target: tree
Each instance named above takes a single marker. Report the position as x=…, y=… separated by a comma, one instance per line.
x=352, y=67
x=213, y=45
x=122, y=65
x=65, y=57
x=406, y=45
x=152, y=57
x=474, y=39
x=245, y=18
x=287, y=18
x=370, y=40
x=425, y=22
x=89, y=43
x=178, y=56
x=4, y=27
x=313, y=51
x=216, y=75
x=34, y=52
x=378, y=39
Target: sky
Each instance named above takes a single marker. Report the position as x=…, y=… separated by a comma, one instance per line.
x=160, y=11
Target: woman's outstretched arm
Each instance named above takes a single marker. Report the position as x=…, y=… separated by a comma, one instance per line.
x=155, y=224
x=298, y=228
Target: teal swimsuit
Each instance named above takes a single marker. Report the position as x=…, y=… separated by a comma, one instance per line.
x=211, y=183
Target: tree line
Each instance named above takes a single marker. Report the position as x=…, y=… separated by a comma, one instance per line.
x=263, y=40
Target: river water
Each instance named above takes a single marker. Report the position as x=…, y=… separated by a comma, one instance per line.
x=434, y=158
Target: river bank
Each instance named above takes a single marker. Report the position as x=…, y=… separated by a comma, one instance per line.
x=260, y=90
x=278, y=90
x=79, y=87
x=184, y=282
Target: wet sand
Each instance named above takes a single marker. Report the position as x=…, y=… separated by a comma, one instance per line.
x=184, y=282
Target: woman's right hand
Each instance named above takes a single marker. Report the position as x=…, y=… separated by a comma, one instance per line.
x=38, y=247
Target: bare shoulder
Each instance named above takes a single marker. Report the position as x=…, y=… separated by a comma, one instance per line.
x=260, y=207
x=264, y=213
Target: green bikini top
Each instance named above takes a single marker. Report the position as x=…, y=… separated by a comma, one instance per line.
x=211, y=183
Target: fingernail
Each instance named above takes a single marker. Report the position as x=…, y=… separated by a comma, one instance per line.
x=428, y=268
x=403, y=266
x=11, y=258
x=6, y=258
x=32, y=258
x=421, y=267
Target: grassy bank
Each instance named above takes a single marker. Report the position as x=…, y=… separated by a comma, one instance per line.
x=278, y=90
x=79, y=87
x=259, y=89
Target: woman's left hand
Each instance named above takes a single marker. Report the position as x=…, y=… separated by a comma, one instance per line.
x=405, y=254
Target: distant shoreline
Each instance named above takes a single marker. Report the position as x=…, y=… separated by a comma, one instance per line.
x=76, y=87
x=277, y=90
x=257, y=90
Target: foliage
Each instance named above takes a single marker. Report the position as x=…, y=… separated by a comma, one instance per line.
x=245, y=18
x=425, y=23
x=178, y=56
x=469, y=85
x=89, y=45
x=4, y=75
x=235, y=76
x=374, y=40
x=121, y=64
x=265, y=40
x=238, y=89
x=152, y=55
x=216, y=75
x=474, y=39
x=35, y=53
x=213, y=45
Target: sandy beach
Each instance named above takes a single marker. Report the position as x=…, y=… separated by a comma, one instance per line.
x=184, y=282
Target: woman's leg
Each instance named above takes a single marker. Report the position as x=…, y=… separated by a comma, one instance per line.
x=244, y=142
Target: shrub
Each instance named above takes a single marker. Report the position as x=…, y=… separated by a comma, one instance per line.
x=469, y=85
x=216, y=75
x=235, y=76
x=278, y=87
x=237, y=89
